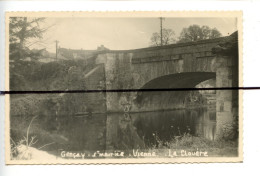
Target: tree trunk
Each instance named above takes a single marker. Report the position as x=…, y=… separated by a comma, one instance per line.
x=22, y=38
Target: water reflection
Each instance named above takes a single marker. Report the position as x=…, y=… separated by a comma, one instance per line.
x=140, y=130
x=118, y=131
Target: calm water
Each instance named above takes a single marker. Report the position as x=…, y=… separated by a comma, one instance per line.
x=119, y=131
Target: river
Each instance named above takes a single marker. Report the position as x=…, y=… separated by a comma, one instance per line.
x=117, y=131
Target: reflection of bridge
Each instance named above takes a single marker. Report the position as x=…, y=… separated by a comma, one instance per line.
x=138, y=130
x=173, y=66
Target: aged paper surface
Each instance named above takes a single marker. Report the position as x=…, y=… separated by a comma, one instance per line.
x=123, y=87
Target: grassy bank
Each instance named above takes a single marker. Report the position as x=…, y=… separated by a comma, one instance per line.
x=221, y=147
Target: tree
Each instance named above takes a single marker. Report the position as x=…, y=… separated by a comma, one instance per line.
x=167, y=37
x=195, y=33
x=21, y=29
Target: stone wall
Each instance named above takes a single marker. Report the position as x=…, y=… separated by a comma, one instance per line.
x=95, y=80
x=227, y=100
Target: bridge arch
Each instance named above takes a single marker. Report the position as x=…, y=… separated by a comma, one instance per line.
x=179, y=80
x=166, y=100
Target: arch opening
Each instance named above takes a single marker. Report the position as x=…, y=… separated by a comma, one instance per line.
x=169, y=100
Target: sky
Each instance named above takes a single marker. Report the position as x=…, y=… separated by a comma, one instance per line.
x=119, y=33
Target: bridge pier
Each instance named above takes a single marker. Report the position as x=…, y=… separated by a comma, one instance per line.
x=226, y=100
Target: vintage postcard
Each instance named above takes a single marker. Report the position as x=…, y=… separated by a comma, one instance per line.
x=123, y=87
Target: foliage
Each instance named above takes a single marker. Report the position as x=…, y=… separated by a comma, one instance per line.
x=195, y=33
x=167, y=37
x=21, y=29
x=37, y=76
x=22, y=148
x=26, y=141
x=229, y=47
x=61, y=75
x=184, y=141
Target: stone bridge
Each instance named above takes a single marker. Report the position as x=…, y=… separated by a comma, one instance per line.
x=183, y=65
x=173, y=66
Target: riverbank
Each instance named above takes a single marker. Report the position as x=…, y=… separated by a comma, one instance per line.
x=186, y=142
x=177, y=130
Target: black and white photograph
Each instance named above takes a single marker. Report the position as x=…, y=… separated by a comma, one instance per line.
x=125, y=87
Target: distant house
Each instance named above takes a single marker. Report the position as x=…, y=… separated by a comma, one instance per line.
x=45, y=53
x=46, y=56
x=102, y=48
x=81, y=54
